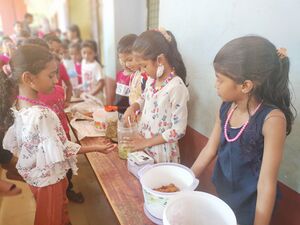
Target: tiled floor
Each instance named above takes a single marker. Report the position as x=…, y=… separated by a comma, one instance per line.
x=95, y=210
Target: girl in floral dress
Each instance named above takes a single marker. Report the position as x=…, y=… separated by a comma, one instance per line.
x=164, y=101
x=38, y=138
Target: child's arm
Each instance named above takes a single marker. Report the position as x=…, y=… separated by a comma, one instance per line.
x=69, y=90
x=274, y=131
x=103, y=148
x=99, y=78
x=98, y=88
x=209, y=152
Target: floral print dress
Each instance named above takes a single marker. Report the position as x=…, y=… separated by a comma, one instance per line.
x=39, y=140
x=164, y=112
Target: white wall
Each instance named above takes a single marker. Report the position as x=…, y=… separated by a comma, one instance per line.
x=120, y=18
x=202, y=27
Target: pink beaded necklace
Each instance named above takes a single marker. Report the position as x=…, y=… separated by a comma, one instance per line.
x=32, y=101
x=243, y=127
x=164, y=83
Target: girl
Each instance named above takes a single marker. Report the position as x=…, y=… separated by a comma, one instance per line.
x=37, y=136
x=73, y=34
x=123, y=77
x=54, y=45
x=92, y=74
x=75, y=54
x=251, y=127
x=8, y=46
x=164, y=101
x=69, y=64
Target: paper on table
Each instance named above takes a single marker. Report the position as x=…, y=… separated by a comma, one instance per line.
x=85, y=127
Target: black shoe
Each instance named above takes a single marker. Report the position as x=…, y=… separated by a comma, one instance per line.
x=75, y=197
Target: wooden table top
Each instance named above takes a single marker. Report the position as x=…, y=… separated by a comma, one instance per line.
x=121, y=188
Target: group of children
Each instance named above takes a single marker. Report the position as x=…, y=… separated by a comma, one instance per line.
x=247, y=139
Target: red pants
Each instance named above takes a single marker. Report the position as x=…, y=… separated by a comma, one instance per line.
x=51, y=204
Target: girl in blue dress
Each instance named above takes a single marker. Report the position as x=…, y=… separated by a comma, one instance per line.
x=251, y=126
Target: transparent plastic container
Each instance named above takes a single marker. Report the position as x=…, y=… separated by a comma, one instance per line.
x=125, y=130
x=99, y=117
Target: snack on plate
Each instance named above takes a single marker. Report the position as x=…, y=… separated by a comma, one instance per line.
x=167, y=188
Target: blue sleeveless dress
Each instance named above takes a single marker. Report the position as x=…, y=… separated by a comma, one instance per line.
x=238, y=164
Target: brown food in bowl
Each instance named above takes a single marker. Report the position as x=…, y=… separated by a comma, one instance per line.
x=167, y=188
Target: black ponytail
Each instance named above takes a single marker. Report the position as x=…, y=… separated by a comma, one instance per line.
x=175, y=59
x=281, y=97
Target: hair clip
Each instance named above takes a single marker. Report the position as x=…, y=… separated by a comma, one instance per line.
x=282, y=53
x=164, y=32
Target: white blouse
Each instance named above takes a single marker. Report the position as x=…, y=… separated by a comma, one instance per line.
x=39, y=140
x=164, y=112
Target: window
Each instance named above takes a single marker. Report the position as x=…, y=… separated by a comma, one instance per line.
x=153, y=14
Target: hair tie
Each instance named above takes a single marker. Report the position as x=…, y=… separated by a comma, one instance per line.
x=164, y=32
x=282, y=53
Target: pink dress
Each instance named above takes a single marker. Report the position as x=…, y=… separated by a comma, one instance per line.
x=63, y=75
x=55, y=101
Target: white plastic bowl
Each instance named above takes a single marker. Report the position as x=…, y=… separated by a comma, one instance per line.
x=157, y=175
x=197, y=208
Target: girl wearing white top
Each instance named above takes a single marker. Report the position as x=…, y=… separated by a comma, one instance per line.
x=164, y=100
x=91, y=70
x=38, y=138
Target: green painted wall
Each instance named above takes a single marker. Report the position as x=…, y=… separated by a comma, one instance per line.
x=80, y=14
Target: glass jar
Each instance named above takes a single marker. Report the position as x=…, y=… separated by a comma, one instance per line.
x=125, y=130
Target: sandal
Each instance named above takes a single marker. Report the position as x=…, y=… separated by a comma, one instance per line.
x=9, y=189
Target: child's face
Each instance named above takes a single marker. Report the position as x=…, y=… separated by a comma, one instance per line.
x=227, y=89
x=128, y=62
x=55, y=47
x=146, y=65
x=46, y=79
x=65, y=53
x=75, y=55
x=88, y=54
x=8, y=46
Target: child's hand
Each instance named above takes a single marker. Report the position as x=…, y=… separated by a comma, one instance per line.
x=130, y=115
x=138, y=142
x=105, y=147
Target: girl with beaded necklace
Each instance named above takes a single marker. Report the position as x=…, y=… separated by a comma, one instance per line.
x=250, y=129
x=38, y=138
x=164, y=100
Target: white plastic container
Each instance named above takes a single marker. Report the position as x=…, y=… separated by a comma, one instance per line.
x=196, y=208
x=157, y=175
